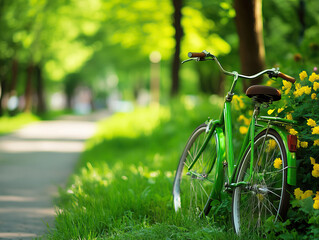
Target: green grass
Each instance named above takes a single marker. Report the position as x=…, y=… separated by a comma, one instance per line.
x=9, y=124
x=123, y=183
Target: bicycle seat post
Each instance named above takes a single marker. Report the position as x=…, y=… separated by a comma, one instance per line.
x=256, y=110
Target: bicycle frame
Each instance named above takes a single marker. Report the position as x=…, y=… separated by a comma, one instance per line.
x=222, y=129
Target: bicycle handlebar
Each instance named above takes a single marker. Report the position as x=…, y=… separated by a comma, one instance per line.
x=286, y=77
x=201, y=56
x=196, y=54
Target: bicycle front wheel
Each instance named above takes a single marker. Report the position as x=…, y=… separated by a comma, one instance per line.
x=265, y=192
x=193, y=183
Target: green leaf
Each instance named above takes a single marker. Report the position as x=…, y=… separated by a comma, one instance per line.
x=307, y=205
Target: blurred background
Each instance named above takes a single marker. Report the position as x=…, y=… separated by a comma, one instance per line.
x=83, y=55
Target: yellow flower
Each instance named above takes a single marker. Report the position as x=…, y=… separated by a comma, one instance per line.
x=313, y=162
x=269, y=82
x=313, y=77
x=316, y=201
x=280, y=110
x=304, y=144
x=311, y=122
x=244, y=119
x=298, y=92
x=286, y=86
x=293, y=131
x=271, y=145
x=303, y=90
x=313, y=96
x=307, y=90
x=289, y=116
x=270, y=111
x=315, y=86
x=277, y=163
x=243, y=130
x=307, y=194
x=239, y=104
x=303, y=75
x=316, y=142
x=298, y=193
x=297, y=86
x=315, y=130
x=315, y=171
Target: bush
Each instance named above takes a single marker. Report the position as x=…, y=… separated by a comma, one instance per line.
x=300, y=102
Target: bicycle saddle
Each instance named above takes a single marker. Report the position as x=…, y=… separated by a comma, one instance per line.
x=263, y=93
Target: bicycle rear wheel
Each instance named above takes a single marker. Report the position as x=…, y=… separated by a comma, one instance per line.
x=266, y=194
x=192, y=185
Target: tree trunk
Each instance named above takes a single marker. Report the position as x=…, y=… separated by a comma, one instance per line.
x=302, y=15
x=13, y=85
x=2, y=92
x=41, y=106
x=177, y=16
x=250, y=31
x=28, y=89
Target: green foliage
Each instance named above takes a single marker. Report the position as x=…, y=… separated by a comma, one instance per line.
x=220, y=213
x=302, y=223
x=300, y=102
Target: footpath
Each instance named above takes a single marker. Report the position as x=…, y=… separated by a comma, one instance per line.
x=34, y=162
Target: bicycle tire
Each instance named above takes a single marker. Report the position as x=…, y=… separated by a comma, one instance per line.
x=192, y=188
x=267, y=194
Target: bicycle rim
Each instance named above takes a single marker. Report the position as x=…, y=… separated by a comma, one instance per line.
x=266, y=194
x=192, y=187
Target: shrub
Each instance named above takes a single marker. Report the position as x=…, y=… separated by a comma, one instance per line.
x=300, y=102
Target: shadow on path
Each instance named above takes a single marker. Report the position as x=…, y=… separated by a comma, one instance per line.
x=34, y=161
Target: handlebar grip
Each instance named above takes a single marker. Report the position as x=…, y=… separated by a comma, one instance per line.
x=195, y=54
x=286, y=77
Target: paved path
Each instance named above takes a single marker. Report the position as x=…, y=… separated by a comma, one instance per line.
x=34, y=161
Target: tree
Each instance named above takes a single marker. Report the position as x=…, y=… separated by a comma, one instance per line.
x=250, y=31
x=177, y=16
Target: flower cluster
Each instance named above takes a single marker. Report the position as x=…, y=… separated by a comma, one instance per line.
x=238, y=102
x=243, y=129
x=315, y=171
x=301, y=195
x=277, y=163
x=300, y=102
x=242, y=108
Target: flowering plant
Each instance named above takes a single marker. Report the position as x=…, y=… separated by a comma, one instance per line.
x=300, y=102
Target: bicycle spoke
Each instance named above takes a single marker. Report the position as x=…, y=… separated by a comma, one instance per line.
x=271, y=205
x=204, y=190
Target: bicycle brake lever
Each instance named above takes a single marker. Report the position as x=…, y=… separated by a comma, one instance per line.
x=273, y=74
x=188, y=60
x=197, y=59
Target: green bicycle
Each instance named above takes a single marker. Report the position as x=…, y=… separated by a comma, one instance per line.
x=258, y=178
